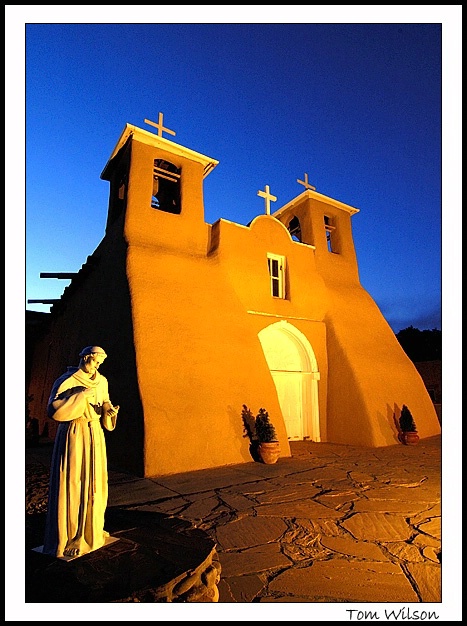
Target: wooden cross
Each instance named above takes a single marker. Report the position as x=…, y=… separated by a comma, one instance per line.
x=306, y=183
x=160, y=128
x=267, y=197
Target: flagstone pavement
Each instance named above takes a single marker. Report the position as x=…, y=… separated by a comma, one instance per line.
x=331, y=523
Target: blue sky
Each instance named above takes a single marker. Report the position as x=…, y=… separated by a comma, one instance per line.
x=357, y=106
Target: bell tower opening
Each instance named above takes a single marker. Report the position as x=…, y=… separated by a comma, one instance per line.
x=295, y=229
x=166, y=187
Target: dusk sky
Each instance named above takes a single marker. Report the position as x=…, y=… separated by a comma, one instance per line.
x=370, y=110
x=356, y=106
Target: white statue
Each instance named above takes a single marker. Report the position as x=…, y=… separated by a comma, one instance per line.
x=78, y=487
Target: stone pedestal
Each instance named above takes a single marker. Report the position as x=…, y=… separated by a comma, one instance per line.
x=157, y=559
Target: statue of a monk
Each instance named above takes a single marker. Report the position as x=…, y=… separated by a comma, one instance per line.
x=78, y=487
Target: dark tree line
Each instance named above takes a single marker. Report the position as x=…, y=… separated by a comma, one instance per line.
x=420, y=345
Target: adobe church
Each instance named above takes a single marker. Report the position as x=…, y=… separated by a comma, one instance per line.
x=198, y=319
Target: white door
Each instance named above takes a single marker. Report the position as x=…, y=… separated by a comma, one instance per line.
x=289, y=393
x=294, y=369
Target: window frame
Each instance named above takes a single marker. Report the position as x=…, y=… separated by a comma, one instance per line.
x=277, y=278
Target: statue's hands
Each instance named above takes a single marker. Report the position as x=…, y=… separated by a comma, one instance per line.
x=110, y=409
x=68, y=393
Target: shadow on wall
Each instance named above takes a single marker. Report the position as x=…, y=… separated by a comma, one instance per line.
x=249, y=431
x=392, y=417
x=245, y=452
x=345, y=384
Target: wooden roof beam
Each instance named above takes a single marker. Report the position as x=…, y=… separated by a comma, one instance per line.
x=65, y=275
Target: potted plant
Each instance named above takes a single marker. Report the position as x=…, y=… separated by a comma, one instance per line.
x=408, y=430
x=264, y=445
x=268, y=444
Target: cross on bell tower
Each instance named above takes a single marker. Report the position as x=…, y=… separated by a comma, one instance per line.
x=267, y=198
x=160, y=127
x=305, y=183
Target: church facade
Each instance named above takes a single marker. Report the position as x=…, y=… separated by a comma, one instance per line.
x=198, y=319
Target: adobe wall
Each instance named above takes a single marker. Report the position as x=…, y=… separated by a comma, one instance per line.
x=371, y=377
x=95, y=310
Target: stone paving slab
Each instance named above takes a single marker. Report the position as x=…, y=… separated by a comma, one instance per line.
x=137, y=492
x=236, y=501
x=423, y=492
x=414, y=494
x=264, y=471
x=432, y=510
x=201, y=509
x=377, y=527
x=337, y=500
x=351, y=581
x=323, y=473
x=250, y=531
x=240, y=588
x=173, y=506
x=308, y=509
x=428, y=580
x=257, y=487
x=366, y=505
x=405, y=551
x=253, y=560
x=425, y=540
x=322, y=527
x=432, y=527
x=431, y=554
x=350, y=547
x=288, y=493
x=206, y=480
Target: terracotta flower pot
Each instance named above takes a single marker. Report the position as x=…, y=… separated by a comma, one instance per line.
x=409, y=438
x=269, y=452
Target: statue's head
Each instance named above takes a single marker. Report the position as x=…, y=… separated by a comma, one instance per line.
x=91, y=357
x=92, y=350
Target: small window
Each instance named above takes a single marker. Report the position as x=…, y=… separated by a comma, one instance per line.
x=330, y=228
x=276, y=266
x=122, y=191
x=295, y=229
x=166, y=187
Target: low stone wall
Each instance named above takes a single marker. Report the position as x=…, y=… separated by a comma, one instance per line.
x=199, y=585
x=157, y=558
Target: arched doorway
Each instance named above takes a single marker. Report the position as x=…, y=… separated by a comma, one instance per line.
x=294, y=370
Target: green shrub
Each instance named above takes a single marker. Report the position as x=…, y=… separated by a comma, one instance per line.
x=406, y=420
x=265, y=431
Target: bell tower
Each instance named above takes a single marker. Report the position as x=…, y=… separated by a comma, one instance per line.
x=156, y=190
x=325, y=224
